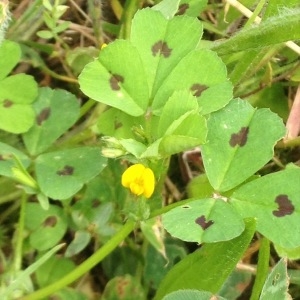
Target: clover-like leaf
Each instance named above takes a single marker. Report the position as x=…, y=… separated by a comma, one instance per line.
x=47, y=226
x=238, y=144
x=63, y=173
x=56, y=111
x=203, y=221
x=273, y=200
x=117, y=78
x=17, y=92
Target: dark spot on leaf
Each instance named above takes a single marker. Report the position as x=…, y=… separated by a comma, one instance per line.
x=43, y=115
x=50, y=221
x=1, y=157
x=95, y=203
x=285, y=206
x=275, y=279
x=7, y=103
x=114, y=81
x=239, y=138
x=202, y=222
x=185, y=206
x=197, y=89
x=161, y=48
x=117, y=124
x=182, y=9
x=67, y=170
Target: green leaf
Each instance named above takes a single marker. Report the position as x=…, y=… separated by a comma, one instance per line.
x=167, y=8
x=80, y=241
x=63, y=173
x=237, y=146
x=7, y=161
x=204, y=75
x=45, y=34
x=290, y=253
x=191, y=8
x=160, y=49
x=202, y=271
x=114, y=122
x=131, y=289
x=191, y=295
x=117, y=79
x=190, y=133
x=10, y=54
x=273, y=200
x=17, y=92
x=173, y=114
x=278, y=29
x=53, y=269
x=50, y=123
x=203, y=221
x=276, y=286
x=157, y=266
x=47, y=226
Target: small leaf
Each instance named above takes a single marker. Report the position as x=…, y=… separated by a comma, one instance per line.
x=10, y=54
x=47, y=226
x=53, y=270
x=273, y=200
x=45, y=34
x=276, y=286
x=80, y=241
x=236, y=145
x=207, y=273
x=203, y=221
x=56, y=111
x=173, y=114
x=17, y=92
x=63, y=173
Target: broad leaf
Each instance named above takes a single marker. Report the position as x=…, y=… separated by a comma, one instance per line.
x=203, y=221
x=117, y=78
x=273, y=200
x=202, y=271
x=238, y=144
x=56, y=111
x=17, y=92
x=63, y=173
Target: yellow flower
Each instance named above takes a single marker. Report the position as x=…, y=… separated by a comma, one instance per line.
x=139, y=179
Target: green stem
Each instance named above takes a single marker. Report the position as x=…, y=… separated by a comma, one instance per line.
x=88, y=264
x=131, y=6
x=262, y=268
x=19, y=237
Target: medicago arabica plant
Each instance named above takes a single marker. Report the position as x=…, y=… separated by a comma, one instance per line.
x=160, y=92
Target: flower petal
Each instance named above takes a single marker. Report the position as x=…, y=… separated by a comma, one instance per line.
x=131, y=174
x=149, y=182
